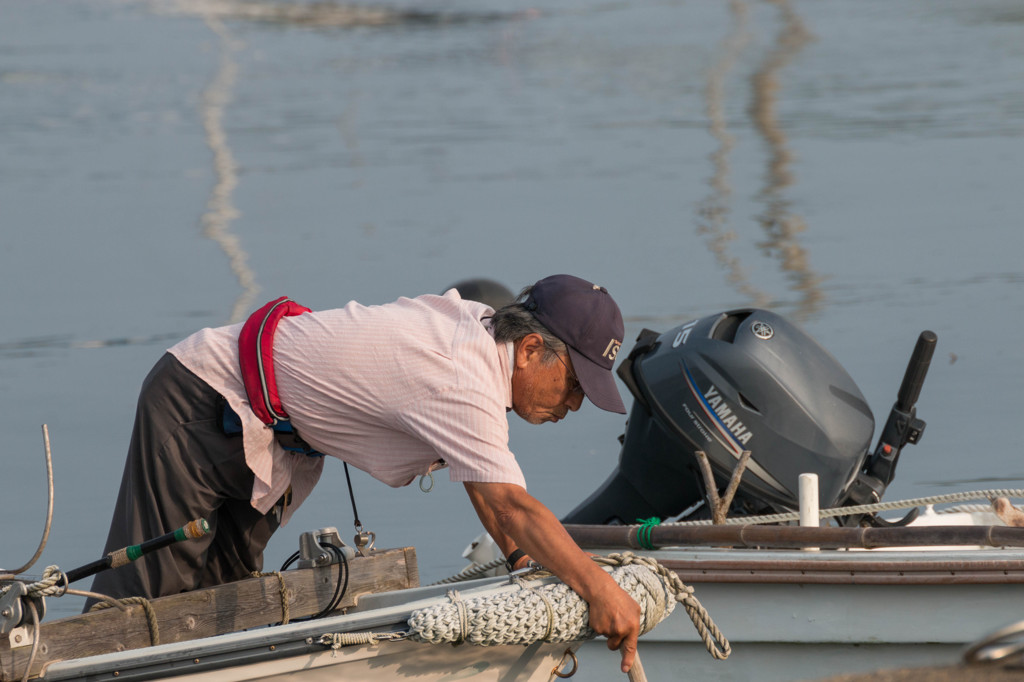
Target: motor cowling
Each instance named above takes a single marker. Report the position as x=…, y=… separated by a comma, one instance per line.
x=741, y=380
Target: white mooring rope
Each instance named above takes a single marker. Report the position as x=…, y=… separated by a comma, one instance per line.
x=554, y=613
x=864, y=508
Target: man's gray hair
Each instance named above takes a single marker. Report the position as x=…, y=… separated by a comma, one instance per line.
x=513, y=321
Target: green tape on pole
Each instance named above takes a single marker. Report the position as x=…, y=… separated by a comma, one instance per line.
x=643, y=533
x=133, y=552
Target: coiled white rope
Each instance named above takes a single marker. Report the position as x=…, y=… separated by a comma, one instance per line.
x=554, y=613
x=337, y=640
x=863, y=508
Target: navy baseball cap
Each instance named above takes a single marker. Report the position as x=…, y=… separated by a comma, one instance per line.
x=584, y=316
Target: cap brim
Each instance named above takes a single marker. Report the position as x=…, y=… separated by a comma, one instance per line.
x=597, y=382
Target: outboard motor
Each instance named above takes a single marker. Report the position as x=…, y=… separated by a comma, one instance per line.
x=742, y=380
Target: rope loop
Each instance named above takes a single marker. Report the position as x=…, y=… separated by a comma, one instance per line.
x=54, y=583
x=460, y=609
x=147, y=607
x=714, y=640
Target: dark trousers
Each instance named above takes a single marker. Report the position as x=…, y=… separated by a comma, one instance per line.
x=181, y=467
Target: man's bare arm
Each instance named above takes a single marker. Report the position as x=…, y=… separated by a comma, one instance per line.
x=486, y=514
x=519, y=517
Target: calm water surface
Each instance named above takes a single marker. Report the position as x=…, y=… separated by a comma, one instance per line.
x=166, y=166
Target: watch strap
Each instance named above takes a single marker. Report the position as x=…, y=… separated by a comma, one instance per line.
x=512, y=558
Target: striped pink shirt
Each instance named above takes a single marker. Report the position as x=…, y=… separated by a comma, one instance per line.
x=390, y=389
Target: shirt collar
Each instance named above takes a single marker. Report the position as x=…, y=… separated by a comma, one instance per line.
x=507, y=361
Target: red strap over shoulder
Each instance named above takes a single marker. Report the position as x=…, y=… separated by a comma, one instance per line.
x=255, y=356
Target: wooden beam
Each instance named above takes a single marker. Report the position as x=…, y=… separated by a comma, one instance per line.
x=217, y=610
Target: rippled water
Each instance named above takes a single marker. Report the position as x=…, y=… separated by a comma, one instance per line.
x=166, y=166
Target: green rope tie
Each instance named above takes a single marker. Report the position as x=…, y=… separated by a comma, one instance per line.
x=643, y=533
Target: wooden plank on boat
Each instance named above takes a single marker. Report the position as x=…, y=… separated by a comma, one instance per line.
x=218, y=610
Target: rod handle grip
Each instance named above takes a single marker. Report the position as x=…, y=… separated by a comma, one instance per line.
x=917, y=369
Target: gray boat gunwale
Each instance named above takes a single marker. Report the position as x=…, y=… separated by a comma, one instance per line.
x=385, y=611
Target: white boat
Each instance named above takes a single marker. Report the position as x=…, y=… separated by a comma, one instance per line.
x=525, y=627
x=789, y=614
x=742, y=404
x=800, y=614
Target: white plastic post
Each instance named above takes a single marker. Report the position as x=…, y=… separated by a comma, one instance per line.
x=809, y=503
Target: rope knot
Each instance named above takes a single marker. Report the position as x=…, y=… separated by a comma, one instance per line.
x=54, y=583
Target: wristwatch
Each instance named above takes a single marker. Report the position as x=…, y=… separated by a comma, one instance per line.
x=512, y=558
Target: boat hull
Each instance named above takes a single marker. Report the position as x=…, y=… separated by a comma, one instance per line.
x=793, y=615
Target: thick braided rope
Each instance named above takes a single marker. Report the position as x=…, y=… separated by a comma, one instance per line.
x=554, y=613
x=549, y=621
x=865, y=508
x=515, y=617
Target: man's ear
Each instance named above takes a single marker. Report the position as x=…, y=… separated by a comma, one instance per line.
x=527, y=348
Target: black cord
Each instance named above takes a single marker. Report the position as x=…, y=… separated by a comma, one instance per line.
x=352, y=496
x=340, y=588
x=289, y=561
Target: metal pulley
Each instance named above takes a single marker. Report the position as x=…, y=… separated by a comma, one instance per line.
x=13, y=604
x=322, y=547
x=364, y=539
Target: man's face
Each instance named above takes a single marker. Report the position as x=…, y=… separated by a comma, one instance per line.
x=543, y=391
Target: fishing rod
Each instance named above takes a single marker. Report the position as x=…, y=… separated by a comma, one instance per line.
x=119, y=557
x=12, y=608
